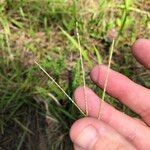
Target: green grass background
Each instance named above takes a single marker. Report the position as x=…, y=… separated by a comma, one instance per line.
x=34, y=113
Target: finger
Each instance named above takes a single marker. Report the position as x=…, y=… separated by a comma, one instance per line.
x=76, y=147
x=131, y=94
x=93, y=134
x=131, y=129
x=141, y=51
x=140, y=121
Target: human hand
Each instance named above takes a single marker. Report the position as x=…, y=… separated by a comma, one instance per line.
x=115, y=130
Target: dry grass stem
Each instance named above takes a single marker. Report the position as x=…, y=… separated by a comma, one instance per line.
x=83, y=71
x=59, y=87
x=107, y=75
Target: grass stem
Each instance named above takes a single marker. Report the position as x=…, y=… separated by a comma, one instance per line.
x=107, y=75
x=59, y=87
x=83, y=70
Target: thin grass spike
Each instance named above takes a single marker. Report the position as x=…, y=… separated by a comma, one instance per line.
x=107, y=75
x=83, y=72
x=59, y=87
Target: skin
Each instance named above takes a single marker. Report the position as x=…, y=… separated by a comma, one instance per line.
x=115, y=130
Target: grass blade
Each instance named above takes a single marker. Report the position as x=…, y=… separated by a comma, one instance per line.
x=23, y=126
x=76, y=45
x=99, y=57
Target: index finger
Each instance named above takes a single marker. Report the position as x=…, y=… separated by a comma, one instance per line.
x=141, y=51
x=122, y=88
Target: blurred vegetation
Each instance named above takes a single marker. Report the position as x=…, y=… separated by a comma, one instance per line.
x=34, y=113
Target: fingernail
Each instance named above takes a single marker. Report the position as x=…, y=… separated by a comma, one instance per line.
x=95, y=73
x=87, y=138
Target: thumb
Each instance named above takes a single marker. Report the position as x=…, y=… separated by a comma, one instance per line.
x=92, y=134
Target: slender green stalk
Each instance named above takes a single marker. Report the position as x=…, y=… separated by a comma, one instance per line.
x=23, y=126
x=59, y=87
x=22, y=138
